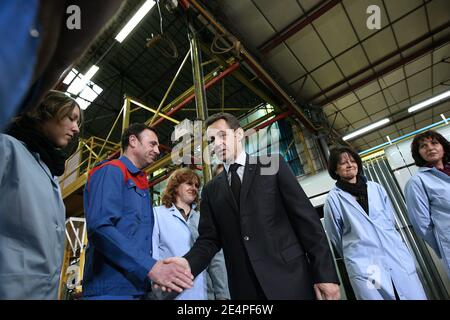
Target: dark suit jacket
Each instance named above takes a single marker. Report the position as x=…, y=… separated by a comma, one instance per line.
x=279, y=229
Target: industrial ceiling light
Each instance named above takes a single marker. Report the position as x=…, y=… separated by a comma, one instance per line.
x=138, y=16
x=444, y=118
x=430, y=101
x=82, y=80
x=366, y=129
x=81, y=88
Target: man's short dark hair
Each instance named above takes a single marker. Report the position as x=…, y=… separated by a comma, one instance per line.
x=415, y=146
x=134, y=129
x=231, y=120
x=335, y=156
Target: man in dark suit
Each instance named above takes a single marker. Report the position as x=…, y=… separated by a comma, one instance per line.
x=274, y=244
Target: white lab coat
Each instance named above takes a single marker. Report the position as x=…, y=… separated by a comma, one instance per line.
x=428, y=201
x=371, y=247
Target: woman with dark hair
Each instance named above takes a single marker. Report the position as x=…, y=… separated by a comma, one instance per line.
x=428, y=192
x=175, y=231
x=32, y=212
x=359, y=219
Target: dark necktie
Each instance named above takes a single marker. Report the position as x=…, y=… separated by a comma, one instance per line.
x=235, y=182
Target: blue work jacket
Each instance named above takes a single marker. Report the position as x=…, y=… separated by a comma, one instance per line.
x=20, y=38
x=119, y=222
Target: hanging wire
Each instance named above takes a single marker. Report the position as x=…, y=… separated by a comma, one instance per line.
x=160, y=17
x=216, y=48
x=162, y=42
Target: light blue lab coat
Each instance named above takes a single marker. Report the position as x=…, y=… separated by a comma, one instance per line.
x=32, y=224
x=428, y=200
x=372, y=249
x=173, y=236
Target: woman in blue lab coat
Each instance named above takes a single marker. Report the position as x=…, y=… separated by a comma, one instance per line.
x=428, y=192
x=175, y=231
x=32, y=212
x=359, y=220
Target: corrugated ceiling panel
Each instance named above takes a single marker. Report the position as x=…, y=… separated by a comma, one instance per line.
x=411, y=27
x=438, y=12
x=346, y=100
x=354, y=112
x=327, y=75
x=397, y=8
x=352, y=61
x=280, y=13
x=307, y=46
x=331, y=26
x=376, y=51
x=282, y=60
x=368, y=90
x=420, y=81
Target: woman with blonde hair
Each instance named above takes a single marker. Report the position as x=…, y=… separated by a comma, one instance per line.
x=32, y=212
x=175, y=231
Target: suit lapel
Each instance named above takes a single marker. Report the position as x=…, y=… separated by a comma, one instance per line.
x=249, y=175
x=223, y=180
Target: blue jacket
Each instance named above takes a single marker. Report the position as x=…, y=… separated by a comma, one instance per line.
x=428, y=200
x=119, y=222
x=372, y=249
x=19, y=25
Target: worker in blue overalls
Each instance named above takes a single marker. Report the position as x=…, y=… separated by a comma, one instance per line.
x=119, y=218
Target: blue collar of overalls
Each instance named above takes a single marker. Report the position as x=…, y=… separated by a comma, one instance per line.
x=130, y=166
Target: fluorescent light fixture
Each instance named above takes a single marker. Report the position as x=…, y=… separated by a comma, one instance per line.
x=138, y=16
x=88, y=95
x=72, y=74
x=389, y=139
x=430, y=101
x=444, y=118
x=92, y=70
x=82, y=80
x=82, y=103
x=366, y=129
x=81, y=86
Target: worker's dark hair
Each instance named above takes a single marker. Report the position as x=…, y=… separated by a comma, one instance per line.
x=134, y=129
x=231, y=120
x=430, y=134
x=335, y=157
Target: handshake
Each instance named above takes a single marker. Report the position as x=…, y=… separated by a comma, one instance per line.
x=172, y=274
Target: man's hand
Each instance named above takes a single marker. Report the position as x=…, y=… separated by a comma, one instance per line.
x=182, y=262
x=327, y=291
x=171, y=275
